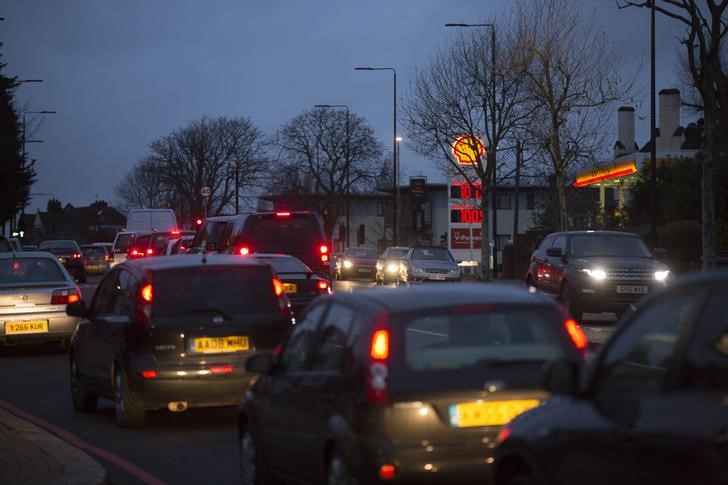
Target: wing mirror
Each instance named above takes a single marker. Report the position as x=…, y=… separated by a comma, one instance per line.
x=76, y=309
x=260, y=363
x=555, y=252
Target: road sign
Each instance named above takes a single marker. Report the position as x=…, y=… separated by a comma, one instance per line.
x=205, y=191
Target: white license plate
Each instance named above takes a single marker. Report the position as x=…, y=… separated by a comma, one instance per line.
x=438, y=277
x=631, y=289
x=364, y=270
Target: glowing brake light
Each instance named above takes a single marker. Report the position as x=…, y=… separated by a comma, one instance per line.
x=283, y=214
x=64, y=297
x=387, y=471
x=144, y=304
x=221, y=369
x=323, y=285
x=323, y=249
x=577, y=336
x=277, y=287
x=175, y=233
x=150, y=252
x=380, y=345
x=76, y=256
x=244, y=250
x=147, y=292
x=149, y=374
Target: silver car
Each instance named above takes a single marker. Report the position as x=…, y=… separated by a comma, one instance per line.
x=429, y=263
x=34, y=291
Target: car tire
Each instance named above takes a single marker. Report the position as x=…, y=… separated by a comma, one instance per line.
x=83, y=400
x=337, y=472
x=252, y=467
x=128, y=413
x=570, y=306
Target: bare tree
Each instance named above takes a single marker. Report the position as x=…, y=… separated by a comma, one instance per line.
x=327, y=153
x=570, y=69
x=143, y=186
x=705, y=56
x=459, y=96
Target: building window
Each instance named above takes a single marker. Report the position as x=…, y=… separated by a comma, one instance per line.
x=384, y=209
x=503, y=200
x=501, y=241
x=531, y=201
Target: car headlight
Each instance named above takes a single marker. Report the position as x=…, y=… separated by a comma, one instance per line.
x=597, y=274
x=348, y=264
x=661, y=275
x=392, y=268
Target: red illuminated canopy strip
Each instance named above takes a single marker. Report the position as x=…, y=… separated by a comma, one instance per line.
x=606, y=176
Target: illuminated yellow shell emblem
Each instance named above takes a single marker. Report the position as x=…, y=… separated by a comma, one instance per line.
x=468, y=150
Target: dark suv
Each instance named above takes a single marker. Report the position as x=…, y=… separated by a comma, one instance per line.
x=174, y=333
x=595, y=271
x=411, y=385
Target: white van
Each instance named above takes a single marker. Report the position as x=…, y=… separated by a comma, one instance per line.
x=148, y=220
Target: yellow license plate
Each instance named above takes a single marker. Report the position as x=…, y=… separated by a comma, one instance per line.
x=216, y=345
x=290, y=287
x=488, y=413
x=31, y=326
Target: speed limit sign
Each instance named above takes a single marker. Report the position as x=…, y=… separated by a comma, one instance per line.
x=205, y=191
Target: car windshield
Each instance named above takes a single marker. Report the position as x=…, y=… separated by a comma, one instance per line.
x=286, y=265
x=465, y=343
x=231, y=290
x=124, y=242
x=361, y=253
x=432, y=254
x=397, y=253
x=602, y=245
x=29, y=270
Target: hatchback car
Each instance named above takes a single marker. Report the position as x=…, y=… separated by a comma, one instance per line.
x=651, y=408
x=596, y=271
x=387, y=269
x=411, y=385
x=98, y=259
x=69, y=254
x=429, y=263
x=174, y=333
x=357, y=262
x=34, y=291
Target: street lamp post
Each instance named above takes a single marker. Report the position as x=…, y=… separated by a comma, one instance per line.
x=348, y=167
x=492, y=149
x=395, y=182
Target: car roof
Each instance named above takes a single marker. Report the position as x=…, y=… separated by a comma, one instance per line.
x=190, y=261
x=27, y=254
x=59, y=241
x=439, y=295
x=592, y=233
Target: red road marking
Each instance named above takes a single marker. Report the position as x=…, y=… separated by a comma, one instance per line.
x=130, y=468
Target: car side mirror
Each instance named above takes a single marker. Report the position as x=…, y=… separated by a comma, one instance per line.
x=76, y=309
x=561, y=377
x=660, y=253
x=555, y=252
x=260, y=363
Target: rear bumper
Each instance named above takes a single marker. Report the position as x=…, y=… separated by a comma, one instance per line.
x=60, y=326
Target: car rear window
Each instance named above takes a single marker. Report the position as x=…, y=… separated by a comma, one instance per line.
x=285, y=234
x=465, y=343
x=286, y=265
x=29, y=270
x=142, y=241
x=432, y=254
x=124, y=242
x=94, y=250
x=231, y=290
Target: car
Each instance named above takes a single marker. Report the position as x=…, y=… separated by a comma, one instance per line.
x=428, y=263
x=650, y=408
x=150, y=220
x=69, y=253
x=174, y=333
x=34, y=291
x=97, y=258
x=179, y=245
x=411, y=386
x=299, y=234
x=387, y=268
x=596, y=271
x=122, y=243
x=359, y=262
x=300, y=283
x=140, y=247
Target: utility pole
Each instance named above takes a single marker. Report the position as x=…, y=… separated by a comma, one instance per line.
x=516, y=202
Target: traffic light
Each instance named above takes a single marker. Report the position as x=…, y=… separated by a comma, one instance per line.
x=198, y=222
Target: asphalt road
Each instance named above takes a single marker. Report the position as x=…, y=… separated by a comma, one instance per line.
x=197, y=446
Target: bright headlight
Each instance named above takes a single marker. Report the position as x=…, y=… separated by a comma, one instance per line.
x=392, y=268
x=597, y=274
x=347, y=264
x=661, y=275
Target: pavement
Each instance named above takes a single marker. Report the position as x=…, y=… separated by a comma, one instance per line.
x=31, y=455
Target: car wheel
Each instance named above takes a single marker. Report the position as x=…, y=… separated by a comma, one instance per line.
x=337, y=472
x=252, y=471
x=128, y=413
x=569, y=304
x=83, y=400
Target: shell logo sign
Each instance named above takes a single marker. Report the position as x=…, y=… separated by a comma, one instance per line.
x=468, y=150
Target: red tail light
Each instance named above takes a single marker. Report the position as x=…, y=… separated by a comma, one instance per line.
x=277, y=287
x=148, y=374
x=150, y=252
x=323, y=285
x=577, y=336
x=65, y=296
x=147, y=292
x=244, y=250
x=283, y=214
x=380, y=345
x=136, y=253
x=222, y=369
x=144, y=303
x=387, y=471
x=376, y=379
x=324, y=249
x=106, y=257
x=174, y=233
x=76, y=256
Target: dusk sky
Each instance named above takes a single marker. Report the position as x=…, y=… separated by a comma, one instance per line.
x=121, y=74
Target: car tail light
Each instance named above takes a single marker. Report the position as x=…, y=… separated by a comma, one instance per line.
x=577, y=336
x=76, y=256
x=277, y=287
x=323, y=285
x=174, y=233
x=387, y=471
x=222, y=369
x=323, y=249
x=148, y=374
x=65, y=296
x=150, y=252
x=283, y=214
x=106, y=257
x=135, y=253
x=144, y=303
x=380, y=345
x=244, y=250
x=377, y=375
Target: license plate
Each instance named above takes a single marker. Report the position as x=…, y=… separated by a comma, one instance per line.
x=631, y=289
x=364, y=270
x=290, y=287
x=493, y=413
x=438, y=277
x=217, y=345
x=31, y=326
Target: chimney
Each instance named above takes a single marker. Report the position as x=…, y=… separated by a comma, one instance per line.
x=669, y=114
x=625, y=131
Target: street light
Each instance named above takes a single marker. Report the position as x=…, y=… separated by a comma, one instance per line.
x=395, y=182
x=348, y=167
x=492, y=149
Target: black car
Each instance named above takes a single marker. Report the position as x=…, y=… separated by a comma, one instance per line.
x=651, y=408
x=387, y=268
x=596, y=271
x=357, y=262
x=300, y=283
x=69, y=253
x=174, y=333
x=411, y=385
